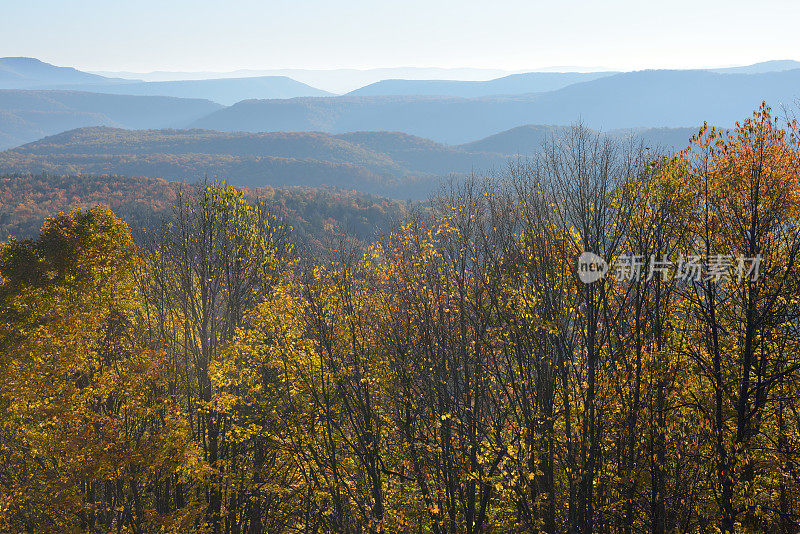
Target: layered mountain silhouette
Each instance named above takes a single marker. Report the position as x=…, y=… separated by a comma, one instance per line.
x=468, y=111
x=659, y=98
x=531, y=82
x=338, y=81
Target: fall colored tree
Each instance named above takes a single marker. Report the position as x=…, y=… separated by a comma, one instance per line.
x=456, y=376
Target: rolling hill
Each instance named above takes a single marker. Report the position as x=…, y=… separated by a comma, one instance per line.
x=391, y=164
x=116, y=141
x=245, y=159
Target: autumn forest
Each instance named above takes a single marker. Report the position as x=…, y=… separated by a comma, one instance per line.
x=216, y=374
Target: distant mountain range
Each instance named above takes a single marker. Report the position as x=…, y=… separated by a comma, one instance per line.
x=223, y=91
x=661, y=98
x=530, y=82
x=337, y=81
x=388, y=163
x=30, y=73
x=393, y=137
x=452, y=112
x=342, y=81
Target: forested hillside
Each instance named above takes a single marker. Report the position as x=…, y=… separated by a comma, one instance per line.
x=317, y=215
x=469, y=372
x=390, y=164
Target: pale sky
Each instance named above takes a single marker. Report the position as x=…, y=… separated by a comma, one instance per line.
x=195, y=35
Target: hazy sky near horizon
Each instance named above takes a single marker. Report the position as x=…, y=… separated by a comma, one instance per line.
x=196, y=35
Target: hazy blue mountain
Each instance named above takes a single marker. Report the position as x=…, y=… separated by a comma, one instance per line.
x=522, y=140
x=334, y=80
x=530, y=82
x=668, y=98
x=224, y=91
x=444, y=119
x=765, y=66
x=29, y=115
x=671, y=139
x=29, y=73
x=345, y=80
x=655, y=98
x=25, y=72
x=528, y=140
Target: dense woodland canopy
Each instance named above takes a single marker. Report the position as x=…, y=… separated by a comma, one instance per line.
x=316, y=215
x=453, y=377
